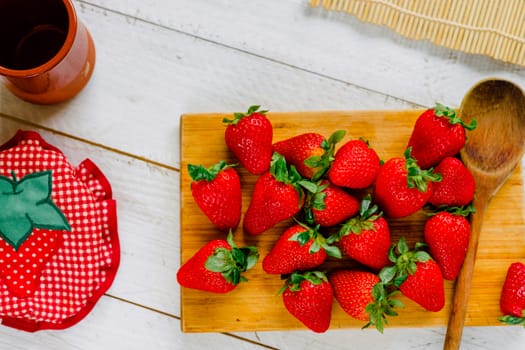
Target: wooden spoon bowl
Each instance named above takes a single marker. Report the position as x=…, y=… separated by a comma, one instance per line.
x=491, y=152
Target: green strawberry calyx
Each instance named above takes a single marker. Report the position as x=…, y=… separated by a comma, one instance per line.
x=513, y=320
x=318, y=241
x=447, y=112
x=405, y=262
x=232, y=263
x=289, y=175
x=323, y=162
x=237, y=116
x=382, y=306
x=293, y=281
x=199, y=172
x=417, y=177
x=315, y=199
x=368, y=213
x=460, y=211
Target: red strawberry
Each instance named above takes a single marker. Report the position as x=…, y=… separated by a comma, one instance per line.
x=416, y=275
x=402, y=188
x=277, y=196
x=366, y=237
x=437, y=133
x=457, y=185
x=298, y=248
x=218, y=266
x=447, y=235
x=363, y=296
x=310, y=153
x=249, y=137
x=329, y=205
x=512, y=300
x=355, y=165
x=217, y=192
x=309, y=298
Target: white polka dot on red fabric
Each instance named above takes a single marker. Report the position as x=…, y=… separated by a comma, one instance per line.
x=71, y=276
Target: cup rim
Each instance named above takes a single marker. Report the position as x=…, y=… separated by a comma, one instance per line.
x=58, y=57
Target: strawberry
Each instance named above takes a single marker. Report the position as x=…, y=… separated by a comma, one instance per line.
x=217, y=267
x=329, y=205
x=277, y=196
x=309, y=298
x=310, y=152
x=437, y=133
x=512, y=299
x=447, y=235
x=249, y=136
x=402, y=188
x=416, y=275
x=365, y=237
x=217, y=192
x=363, y=296
x=456, y=189
x=298, y=248
x=355, y=165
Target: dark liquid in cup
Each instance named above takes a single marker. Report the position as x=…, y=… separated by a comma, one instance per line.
x=31, y=32
x=38, y=46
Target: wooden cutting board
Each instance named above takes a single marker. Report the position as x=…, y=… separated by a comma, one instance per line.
x=255, y=306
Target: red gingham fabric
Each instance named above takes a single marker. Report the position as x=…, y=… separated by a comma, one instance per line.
x=55, y=277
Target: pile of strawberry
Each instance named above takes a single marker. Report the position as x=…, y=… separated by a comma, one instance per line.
x=340, y=203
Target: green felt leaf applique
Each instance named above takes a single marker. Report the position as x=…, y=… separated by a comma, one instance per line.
x=26, y=204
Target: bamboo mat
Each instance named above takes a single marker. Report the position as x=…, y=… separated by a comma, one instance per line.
x=495, y=28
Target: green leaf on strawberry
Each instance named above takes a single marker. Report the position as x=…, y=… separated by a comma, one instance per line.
x=417, y=177
x=26, y=204
x=198, y=172
x=319, y=241
x=447, y=112
x=513, y=320
x=237, y=116
x=231, y=263
x=382, y=306
x=323, y=161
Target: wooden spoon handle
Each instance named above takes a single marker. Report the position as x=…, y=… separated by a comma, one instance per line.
x=462, y=291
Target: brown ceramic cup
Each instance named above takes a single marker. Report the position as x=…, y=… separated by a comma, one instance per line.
x=46, y=54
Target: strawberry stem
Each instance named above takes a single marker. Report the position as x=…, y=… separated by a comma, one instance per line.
x=199, y=172
x=323, y=161
x=237, y=116
x=404, y=262
x=461, y=211
x=513, y=320
x=232, y=263
x=382, y=306
x=294, y=280
x=368, y=213
x=319, y=241
x=417, y=177
x=447, y=112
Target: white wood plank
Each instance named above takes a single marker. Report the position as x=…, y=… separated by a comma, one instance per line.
x=222, y=55
x=117, y=325
x=474, y=338
x=331, y=44
x=147, y=76
x=148, y=221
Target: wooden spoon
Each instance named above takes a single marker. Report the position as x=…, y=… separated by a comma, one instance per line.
x=491, y=152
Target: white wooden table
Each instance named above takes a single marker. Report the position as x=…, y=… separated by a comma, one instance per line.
x=157, y=59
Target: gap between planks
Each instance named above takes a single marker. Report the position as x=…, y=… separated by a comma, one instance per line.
x=179, y=318
x=89, y=142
